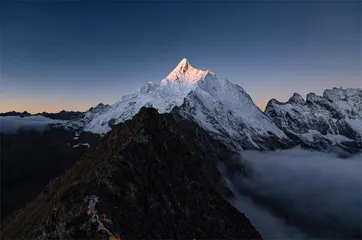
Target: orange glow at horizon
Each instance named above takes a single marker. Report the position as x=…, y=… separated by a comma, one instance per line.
x=42, y=106
x=37, y=104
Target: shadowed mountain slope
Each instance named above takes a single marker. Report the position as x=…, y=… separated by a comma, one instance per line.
x=30, y=159
x=156, y=177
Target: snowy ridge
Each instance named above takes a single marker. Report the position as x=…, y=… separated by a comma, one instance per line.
x=334, y=118
x=164, y=97
x=229, y=113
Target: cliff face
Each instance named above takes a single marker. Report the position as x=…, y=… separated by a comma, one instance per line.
x=155, y=176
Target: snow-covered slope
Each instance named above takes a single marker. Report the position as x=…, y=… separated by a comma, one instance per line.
x=334, y=118
x=229, y=113
x=164, y=97
x=219, y=106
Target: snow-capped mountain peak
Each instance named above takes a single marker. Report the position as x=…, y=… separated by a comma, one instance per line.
x=216, y=104
x=183, y=65
x=164, y=97
x=185, y=73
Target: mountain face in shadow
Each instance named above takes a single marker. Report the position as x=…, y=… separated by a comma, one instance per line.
x=155, y=176
x=30, y=159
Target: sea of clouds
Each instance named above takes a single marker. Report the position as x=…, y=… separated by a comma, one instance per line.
x=300, y=194
x=14, y=124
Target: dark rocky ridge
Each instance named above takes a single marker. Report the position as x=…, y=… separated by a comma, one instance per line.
x=156, y=177
x=13, y=113
x=62, y=115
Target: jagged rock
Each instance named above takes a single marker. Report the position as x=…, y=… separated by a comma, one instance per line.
x=296, y=99
x=13, y=113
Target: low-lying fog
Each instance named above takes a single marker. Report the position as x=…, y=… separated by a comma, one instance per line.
x=14, y=124
x=301, y=194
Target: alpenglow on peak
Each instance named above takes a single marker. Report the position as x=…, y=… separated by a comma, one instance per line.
x=185, y=73
x=183, y=65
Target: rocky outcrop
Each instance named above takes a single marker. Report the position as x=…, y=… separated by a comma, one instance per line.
x=156, y=177
x=13, y=113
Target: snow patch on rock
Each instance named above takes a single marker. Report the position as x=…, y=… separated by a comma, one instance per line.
x=335, y=117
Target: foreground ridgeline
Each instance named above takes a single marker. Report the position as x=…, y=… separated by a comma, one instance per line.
x=155, y=177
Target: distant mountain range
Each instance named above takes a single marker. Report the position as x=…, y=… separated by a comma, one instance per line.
x=62, y=115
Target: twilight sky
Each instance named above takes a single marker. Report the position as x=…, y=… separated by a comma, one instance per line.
x=74, y=54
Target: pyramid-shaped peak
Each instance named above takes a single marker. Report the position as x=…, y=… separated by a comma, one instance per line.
x=185, y=73
x=296, y=98
x=183, y=66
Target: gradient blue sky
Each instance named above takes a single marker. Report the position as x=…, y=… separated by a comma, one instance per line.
x=74, y=54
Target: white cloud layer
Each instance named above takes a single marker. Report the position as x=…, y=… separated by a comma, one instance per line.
x=13, y=124
x=301, y=194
